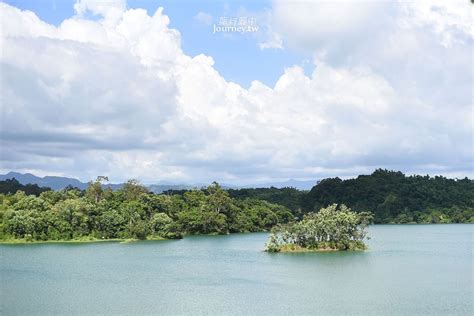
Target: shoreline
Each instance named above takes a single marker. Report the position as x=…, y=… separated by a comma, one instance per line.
x=299, y=249
x=294, y=248
x=71, y=241
x=131, y=240
x=308, y=250
x=119, y=240
x=77, y=241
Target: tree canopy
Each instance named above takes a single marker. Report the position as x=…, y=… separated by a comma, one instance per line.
x=34, y=213
x=331, y=228
x=396, y=198
x=390, y=195
x=132, y=212
x=11, y=186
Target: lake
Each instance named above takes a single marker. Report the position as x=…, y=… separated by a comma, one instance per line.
x=409, y=269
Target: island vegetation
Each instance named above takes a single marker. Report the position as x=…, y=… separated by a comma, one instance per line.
x=332, y=228
x=132, y=212
x=29, y=212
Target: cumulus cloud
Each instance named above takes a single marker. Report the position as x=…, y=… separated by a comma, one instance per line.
x=451, y=20
x=325, y=25
x=118, y=96
x=110, y=10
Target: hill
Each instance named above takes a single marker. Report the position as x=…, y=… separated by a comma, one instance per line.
x=59, y=183
x=392, y=196
x=395, y=197
x=53, y=182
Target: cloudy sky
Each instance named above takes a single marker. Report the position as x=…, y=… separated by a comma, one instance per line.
x=147, y=90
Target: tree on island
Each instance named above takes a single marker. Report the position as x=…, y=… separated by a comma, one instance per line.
x=332, y=228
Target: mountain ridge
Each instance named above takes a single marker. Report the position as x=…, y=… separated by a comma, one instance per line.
x=59, y=182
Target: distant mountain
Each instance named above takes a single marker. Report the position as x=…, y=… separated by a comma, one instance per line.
x=58, y=183
x=55, y=183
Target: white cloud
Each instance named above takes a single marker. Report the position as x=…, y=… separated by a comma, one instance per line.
x=326, y=25
x=110, y=10
x=269, y=38
x=118, y=96
x=272, y=40
x=448, y=19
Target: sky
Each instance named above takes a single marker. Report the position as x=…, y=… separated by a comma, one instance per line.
x=148, y=90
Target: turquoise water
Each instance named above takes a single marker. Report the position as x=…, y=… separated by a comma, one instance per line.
x=409, y=269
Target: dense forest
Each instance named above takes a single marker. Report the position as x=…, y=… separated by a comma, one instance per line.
x=288, y=197
x=394, y=197
x=11, y=186
x=132, y=213
x=34, y=213
x=391, y=196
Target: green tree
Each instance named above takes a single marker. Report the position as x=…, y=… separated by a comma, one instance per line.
x=95, y=191
x=132, y=189
x=334, y=227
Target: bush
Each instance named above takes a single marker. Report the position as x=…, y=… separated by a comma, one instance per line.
x=332, y=228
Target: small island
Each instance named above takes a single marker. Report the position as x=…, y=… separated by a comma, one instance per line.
x=333, y=228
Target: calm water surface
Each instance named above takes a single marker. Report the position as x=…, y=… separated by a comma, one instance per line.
x=409, y=269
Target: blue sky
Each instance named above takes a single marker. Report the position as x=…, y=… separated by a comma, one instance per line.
x=237, y=57
x=322, y=89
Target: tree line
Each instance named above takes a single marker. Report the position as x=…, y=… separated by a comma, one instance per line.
x=132, y=212
x=390, y=195
x=11, y=186
x=31, y=212
x=396, y=198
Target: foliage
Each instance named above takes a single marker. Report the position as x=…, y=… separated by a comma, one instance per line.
x=32, y=213
x=391, y=196
x=288, y=197
x=332, y=228
x=396, y=198
x=11, y=186
x=95, y=190
x=132, y=213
